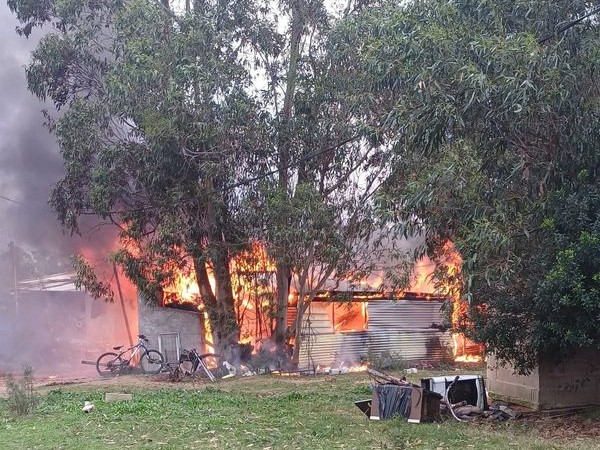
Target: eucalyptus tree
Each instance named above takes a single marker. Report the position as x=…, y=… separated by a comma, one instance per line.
x=315, y=208
x=155, y=123
x=491, y=108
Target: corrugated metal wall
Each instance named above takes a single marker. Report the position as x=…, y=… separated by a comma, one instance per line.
x=404, y=328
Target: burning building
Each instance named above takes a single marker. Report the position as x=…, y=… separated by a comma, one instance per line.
x=179, y=320
x=348, y=329
x=343, y=325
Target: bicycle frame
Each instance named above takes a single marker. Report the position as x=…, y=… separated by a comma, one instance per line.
x=137, y=348
x=197, y=361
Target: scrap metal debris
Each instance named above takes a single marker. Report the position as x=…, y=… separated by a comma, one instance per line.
x=461, y=397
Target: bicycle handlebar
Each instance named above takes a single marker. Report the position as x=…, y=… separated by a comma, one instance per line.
x=142, y=337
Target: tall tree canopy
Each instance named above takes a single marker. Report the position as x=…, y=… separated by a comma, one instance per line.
x=194, y=130
x=492, y=110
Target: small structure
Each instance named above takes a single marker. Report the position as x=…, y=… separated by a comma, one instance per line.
x=53, y=326
x=170, y=330
x=572, y=383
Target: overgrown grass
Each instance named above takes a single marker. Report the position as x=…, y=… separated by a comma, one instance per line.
x=256, y=413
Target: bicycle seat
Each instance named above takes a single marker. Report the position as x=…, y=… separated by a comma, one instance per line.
x=118, y=347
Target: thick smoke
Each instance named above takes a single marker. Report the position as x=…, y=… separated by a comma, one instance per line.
x=29, y=159
x=30, y=164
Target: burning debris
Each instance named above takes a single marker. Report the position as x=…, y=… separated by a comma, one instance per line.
x=342, y=368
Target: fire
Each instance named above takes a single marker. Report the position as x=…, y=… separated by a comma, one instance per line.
x=468, y=358
x=209, y=347
x=184, y=287
x=252, y=283
x=361, y=368
x=342, y=369
x=246, y=340
x=464, y=350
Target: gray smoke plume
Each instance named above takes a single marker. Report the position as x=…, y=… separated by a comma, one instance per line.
x=29, y=160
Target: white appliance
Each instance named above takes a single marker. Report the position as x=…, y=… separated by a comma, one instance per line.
x=470, y=388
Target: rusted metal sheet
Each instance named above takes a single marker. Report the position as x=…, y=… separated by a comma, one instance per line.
x=408, y=329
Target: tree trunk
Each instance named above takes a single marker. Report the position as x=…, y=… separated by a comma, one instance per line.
x=219, y=304
x=208, y=298
x=228, y=331
x=302, y=306
x=283, y=276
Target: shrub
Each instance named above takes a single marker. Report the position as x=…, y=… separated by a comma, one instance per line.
x=22, y=398
x=387, y=361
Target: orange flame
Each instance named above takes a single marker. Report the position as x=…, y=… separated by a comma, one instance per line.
x=464, y=350
x=251, y=274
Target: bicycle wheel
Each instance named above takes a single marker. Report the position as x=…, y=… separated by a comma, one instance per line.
x=151, y=362
x=109, y=364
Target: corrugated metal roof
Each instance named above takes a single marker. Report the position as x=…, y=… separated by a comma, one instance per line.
x=62, y=282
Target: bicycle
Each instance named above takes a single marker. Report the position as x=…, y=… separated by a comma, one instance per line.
x=196, y=362
x=112, y=364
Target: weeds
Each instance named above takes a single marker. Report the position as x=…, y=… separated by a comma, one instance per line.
x=22, y=398
x=387, y=361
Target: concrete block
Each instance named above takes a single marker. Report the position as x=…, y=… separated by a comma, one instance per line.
x=117, y=397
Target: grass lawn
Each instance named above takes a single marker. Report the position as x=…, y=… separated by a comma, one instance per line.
x=265, y=412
